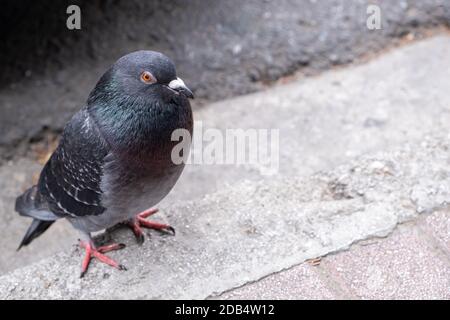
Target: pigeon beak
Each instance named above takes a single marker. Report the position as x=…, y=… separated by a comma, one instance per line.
x=179, y=86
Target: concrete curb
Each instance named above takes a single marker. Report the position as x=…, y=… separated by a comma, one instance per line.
x=243, y=233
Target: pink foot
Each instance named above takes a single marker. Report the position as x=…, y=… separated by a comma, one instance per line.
x=139, y=222
x=91, y=252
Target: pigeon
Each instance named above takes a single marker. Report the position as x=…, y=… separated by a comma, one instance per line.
x=114, y=159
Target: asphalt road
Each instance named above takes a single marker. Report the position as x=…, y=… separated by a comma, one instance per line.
x=221, y=48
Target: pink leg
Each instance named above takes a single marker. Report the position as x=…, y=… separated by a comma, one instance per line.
x=111, y=247
x=147, y=213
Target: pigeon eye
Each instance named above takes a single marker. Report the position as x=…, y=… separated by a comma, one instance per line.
x=147, y=77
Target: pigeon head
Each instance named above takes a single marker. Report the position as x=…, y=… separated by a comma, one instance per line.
x=140, y=76
x=138, y=97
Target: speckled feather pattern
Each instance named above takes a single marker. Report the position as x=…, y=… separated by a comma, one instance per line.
x=70, y=181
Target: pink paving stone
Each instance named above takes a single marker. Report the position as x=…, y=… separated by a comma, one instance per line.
x=438, y=225
x=299, y=282
x=405, y=265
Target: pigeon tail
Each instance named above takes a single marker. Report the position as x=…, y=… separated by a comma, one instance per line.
x=36, y=228
x=29, y=205
x=25, y=203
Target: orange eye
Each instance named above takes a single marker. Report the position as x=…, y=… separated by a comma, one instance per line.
x=147, y=77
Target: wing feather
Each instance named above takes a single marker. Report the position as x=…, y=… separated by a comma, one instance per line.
x=71, y=179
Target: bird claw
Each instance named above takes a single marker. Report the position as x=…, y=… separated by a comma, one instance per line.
x=171, y=230
x=122, y=267
x=140, y=238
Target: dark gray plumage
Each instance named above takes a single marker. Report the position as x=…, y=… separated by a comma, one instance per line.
x=114, y=158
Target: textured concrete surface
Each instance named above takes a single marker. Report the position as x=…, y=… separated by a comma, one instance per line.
x=246, y=232
x=438, y=225
x=231, y=48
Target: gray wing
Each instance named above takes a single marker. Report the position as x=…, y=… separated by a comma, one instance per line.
x=70, y=181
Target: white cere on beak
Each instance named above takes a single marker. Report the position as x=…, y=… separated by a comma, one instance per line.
x=176, y=84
